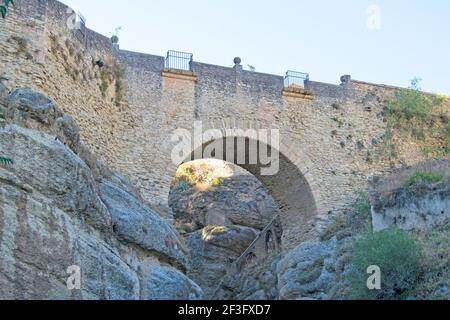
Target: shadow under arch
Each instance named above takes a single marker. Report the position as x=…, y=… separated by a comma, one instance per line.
x=288, y=186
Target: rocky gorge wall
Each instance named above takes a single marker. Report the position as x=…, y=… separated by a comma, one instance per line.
x=61, y=208
x=128, y=110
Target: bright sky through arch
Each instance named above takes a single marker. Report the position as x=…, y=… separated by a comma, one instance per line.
x=325, y=38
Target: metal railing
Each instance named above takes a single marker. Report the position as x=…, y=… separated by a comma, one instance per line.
x=177, y=60
x=296, y=79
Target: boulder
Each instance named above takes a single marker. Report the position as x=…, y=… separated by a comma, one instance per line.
x=51, y=169
x=213, y=249
x=165, y=283
x=67, y=131
x=52, y=217
x=303, y=272
x=135, y=223
x=39, y=242
x=257, y=281
x=32, y=109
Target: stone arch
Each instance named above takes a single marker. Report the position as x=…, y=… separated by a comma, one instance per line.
x=293, y=187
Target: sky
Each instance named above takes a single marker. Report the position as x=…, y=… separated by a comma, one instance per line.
x=385, y=41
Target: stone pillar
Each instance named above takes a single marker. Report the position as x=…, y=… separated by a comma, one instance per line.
x=346, y=79
x=237, y=64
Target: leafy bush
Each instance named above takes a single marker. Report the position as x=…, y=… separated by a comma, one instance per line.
x=423, y=177
x=398, y=255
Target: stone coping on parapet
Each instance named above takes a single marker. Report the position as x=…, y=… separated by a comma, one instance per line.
x=178, y=74
x=297, y=93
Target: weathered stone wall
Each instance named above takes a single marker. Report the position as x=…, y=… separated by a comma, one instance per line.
x=329, y=141
x=40, y=51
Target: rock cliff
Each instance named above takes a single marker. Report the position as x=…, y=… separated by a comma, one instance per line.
x=60, y=207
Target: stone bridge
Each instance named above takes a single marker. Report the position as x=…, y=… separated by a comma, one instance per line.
x=329, y=134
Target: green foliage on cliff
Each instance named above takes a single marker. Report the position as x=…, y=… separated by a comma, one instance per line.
x=6, y=161
x=446, y=133
x=423, y=177
x=312, y=272
x=415, y=113
x=436, y=265
x=4, y=7
x=411, y=104
x=397, y=253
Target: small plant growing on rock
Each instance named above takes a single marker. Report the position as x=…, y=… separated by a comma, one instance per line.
x=214, y=230
x=423, y=177
x=217, y=181
x=115, y=35
x=414, y=113
x=22, y=47
x=6, y=161
x=397, y=253
x=362, y=204
x=4, y=7
x=312, y=272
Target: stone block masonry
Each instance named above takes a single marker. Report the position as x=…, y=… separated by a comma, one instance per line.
x=327, y=137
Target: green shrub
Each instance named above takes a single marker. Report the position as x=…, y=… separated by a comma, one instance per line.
x=409, y=104
x=398, y=255
x=337, y=225
x=423, y=177
x=6, y=161
x=411, y=112
x=436, y=265
x=446, y=133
